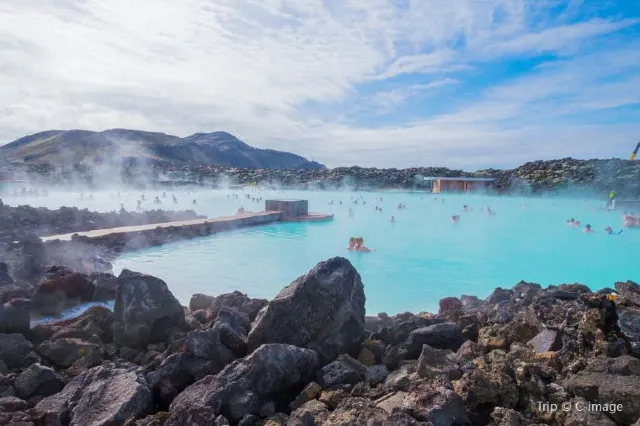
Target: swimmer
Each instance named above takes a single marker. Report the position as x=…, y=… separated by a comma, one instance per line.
x=139, y=205
x=164, y=195
x=175, y=200
x=465, y=208
x=455, y=218
x=142, y=197
x=360, y=246
x=571, y=221
x=157, y=201
x=194, y=201
x=609, y=231
x=587, y=229
x=350, y=212
x=352, y=244
x=393, y=219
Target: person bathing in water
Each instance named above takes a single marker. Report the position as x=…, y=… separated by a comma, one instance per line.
x=352, y=244
x=587, y=229
x=393, y=219
x=455, y=218
x=360, y=246
x=609, y=231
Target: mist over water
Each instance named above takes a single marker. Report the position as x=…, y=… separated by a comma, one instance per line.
x=418, y=260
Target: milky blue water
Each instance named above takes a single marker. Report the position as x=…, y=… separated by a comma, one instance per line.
x=418, y=260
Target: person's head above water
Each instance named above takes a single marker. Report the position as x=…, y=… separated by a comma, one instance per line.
x=352, y=242
x=608, y=230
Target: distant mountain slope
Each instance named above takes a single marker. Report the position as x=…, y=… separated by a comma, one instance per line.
x=82, y=146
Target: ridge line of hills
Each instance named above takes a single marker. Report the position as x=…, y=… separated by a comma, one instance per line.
x=67, y=147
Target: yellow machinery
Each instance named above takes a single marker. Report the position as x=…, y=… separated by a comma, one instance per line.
x=635, y=152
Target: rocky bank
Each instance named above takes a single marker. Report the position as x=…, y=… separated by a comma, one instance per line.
x=310, y=356
x=42, y=221
x=595, y=177
x=25, y=260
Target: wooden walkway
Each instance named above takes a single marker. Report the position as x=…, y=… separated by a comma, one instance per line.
x=240, y=219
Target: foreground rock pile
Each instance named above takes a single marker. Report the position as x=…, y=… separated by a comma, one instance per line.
x=310, y=356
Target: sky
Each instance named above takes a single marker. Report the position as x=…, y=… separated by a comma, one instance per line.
x=386, y=83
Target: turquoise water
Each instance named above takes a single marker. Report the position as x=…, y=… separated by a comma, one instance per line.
x=418, y=260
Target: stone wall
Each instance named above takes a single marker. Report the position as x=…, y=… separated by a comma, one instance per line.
x=118, y=242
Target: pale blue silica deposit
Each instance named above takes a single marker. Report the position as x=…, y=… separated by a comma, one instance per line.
x=418, y=260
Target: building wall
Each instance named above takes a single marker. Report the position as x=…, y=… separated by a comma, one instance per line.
x=458, y=186
x=289, y=208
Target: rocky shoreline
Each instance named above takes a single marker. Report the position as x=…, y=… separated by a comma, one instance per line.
x=512, y=359
x=24, y=257
x=594, y=177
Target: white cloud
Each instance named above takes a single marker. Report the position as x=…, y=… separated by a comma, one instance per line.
x=385, y=101
x=262, y=69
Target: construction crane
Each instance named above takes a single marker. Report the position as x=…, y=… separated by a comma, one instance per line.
x=635, y=152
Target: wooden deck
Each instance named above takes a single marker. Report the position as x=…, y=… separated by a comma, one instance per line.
x=239, y=220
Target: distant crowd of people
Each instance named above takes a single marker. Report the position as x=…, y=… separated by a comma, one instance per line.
x=31, y=192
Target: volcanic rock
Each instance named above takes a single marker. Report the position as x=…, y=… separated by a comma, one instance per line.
x=15, y=350
x=10, y=404
x=60, y=288
x=322, y=310
x=434, y=363
x=271, y=371
x=105, y=395
x=37, y=380
x=440, y=336
x=178, y=371
x=15, y=316
x=608, y=389
x=145, y=311
x=342, y=371
x=545, y=341
x=64, y=352
x=5, y=278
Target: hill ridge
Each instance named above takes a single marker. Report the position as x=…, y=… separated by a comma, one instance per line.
x=63, y=147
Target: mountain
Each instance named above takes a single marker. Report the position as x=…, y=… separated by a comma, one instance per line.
x=69, y=147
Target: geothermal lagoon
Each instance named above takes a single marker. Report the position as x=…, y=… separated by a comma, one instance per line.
x=417, y=260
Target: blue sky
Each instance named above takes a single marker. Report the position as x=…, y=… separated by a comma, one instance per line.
x=458, y=83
